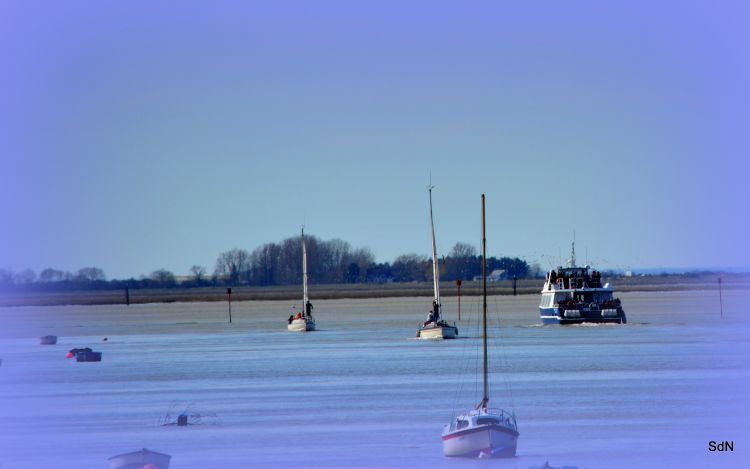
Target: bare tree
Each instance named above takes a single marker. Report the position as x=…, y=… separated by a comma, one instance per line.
x=410, y=267
x=51, y=275
x=198, y=272
x=90, y=274
x=25, y=276
x=6, y=277
x=233, y=266
x=363, y=258
x=163, y=277
x=462, y=262
x=463, y=250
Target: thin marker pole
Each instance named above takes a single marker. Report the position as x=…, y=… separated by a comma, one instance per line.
x=458, y=284
x=721, y=305
x=229, y=301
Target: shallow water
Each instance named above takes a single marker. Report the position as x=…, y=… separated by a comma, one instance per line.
x=361, y=392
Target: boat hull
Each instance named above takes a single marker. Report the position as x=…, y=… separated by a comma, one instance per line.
x=437, y=332
x=560, y=316
x=139, y=459
x=301, y=325
x=490, y=441
x=89, y=356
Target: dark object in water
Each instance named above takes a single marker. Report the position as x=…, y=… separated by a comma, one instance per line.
x=89, y=356
x=547, y=466
x=74, y=351
x=182, y=420
x=140, y=459
x=48, y=340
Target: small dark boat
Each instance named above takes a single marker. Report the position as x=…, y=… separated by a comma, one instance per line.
x=74, y=351
x=89, y=356
x=48, y=340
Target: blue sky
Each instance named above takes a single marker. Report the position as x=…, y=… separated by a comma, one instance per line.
x=150, y=135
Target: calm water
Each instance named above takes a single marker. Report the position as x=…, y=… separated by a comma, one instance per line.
x=361, y=393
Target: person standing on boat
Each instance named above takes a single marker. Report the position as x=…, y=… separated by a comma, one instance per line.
x=308, y=308
x=430, y=318
x=435, y=311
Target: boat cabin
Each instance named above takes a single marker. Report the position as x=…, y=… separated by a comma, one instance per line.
x=481, y=417
x=572, y=278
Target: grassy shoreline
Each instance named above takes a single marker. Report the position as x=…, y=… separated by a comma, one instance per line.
x=340, y=291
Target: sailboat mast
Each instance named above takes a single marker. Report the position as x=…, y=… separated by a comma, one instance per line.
x=304, y=273
x=486, y=397
x=435, y=267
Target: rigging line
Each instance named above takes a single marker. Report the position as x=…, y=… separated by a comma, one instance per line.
x=465, y=355
x=479, y=348
x=505, y=364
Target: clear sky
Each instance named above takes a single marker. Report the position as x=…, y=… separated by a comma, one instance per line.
x=142, y=135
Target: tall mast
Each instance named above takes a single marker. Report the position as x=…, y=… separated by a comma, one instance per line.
x=486, y=397
x=435, y=267
x=304, y=273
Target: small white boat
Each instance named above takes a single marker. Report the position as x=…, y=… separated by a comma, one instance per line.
x=437, y=331
x=140, y=460
x=303, y=320
x=435, y=327
x=482, y=432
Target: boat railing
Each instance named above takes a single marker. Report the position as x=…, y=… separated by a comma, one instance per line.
x=573, y=283
x=507, y=418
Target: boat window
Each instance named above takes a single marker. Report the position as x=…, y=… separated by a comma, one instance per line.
x=461, y=424
x=487, y=421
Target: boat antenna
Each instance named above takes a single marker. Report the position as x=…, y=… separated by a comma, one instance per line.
x=435, y=266
x=486, y=396
x=572, y=261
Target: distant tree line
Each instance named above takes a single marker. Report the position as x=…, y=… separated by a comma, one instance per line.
x=329, y=262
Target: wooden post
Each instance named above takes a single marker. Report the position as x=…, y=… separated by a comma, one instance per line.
x=229, y=301
x=514, y=285
x=458, y=284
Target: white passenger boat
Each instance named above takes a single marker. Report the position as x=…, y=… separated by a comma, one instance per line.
x=572, y=295
x=303, y=320
x=483, y=432
x=435, y=327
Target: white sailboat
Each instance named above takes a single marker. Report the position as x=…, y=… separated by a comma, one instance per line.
x=303, y=320
x=482, y=432
x=435, y=327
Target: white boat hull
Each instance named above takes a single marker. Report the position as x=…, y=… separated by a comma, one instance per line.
x=438, y=332
x=485, y=441
x=301, y=325
x=140, y=459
